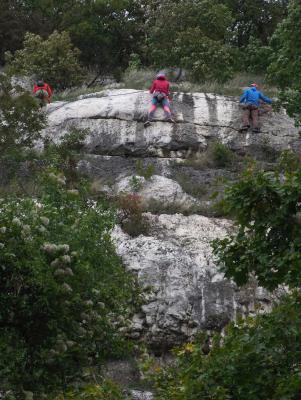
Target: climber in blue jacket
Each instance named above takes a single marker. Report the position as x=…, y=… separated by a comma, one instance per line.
x=250, y=101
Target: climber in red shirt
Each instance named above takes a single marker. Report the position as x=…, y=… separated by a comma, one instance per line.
x=160, y=92
x=43, y=92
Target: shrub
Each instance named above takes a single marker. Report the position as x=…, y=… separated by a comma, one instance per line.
x=146, y=171
x=20, y=122
x=221, y=155
x=53, y=59
x=132, y=220
x=259, y=358
x=20, y=125
x=266, y=208
x=63, y=290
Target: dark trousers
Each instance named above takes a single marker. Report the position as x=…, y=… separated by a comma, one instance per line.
x=250, y=112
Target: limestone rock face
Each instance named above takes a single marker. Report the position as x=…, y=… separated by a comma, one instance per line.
x=115, y=122
x=174, y=258
x=187, y=291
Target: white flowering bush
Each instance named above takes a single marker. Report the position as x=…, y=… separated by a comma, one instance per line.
x=63, y=290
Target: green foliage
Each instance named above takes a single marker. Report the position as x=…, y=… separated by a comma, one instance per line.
x=11, y=27
x=107, y=33
x=266, y=208
x=54, y=59
x=285, y=68
x=20, y=122
x=63, y=291
x=258, y=56
x=197, y=31
x=258, y=358
x=254, y=19
x=147, y=172
x=20, y=126
x=221, y=155
x=106, y=391
x=136, y=184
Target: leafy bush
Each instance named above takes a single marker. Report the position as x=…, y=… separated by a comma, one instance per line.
x=259, y=358
x=20, y=122
x=106, y=391
x=285, y=67
x=63, y=290
x=221, y=155
x=258, y=56
x=266, y=208
x=20, y=125
x=53, y=59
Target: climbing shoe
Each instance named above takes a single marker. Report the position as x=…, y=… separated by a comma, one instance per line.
x=171, y=120
x=256, y=130
x=244, y=128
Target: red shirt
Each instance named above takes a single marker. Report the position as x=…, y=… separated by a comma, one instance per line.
x=44, y=87
x=160, y=85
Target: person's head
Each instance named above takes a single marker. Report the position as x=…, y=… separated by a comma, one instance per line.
x=254, y=85
x=161, y=76
x=40, y=83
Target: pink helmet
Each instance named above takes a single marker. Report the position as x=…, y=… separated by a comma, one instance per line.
x=161, y=75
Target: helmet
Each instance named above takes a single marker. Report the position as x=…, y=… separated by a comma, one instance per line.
x=161, y=75
x=40, y=83
x=254, y=85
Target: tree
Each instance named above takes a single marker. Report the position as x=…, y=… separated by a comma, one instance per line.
x=63, y=290
x=53, y=59
x=194, y=37
x=254, y=18
x=285, y=67
x=105, y=32
x=267, y=243
x=11, y=28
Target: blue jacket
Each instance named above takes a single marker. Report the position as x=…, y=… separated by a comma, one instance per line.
x=253, y=96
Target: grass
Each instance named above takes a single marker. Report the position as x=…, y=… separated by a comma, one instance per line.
x=142, y=79
x=138, y=79
x=73, y=93
x=233, y=87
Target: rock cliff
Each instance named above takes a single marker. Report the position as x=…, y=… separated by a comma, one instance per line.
x=166, y=165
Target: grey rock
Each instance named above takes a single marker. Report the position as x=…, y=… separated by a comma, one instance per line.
x=115, y=121
x=139, y=395
x=176, y=260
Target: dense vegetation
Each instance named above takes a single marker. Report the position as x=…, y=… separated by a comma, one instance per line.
x=223, y=35
x=64, y=293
